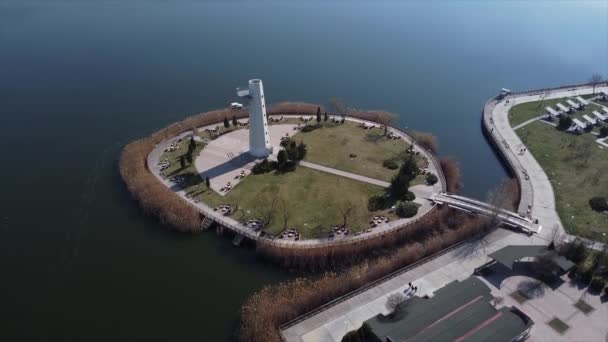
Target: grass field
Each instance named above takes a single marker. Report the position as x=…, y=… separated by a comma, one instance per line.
x=576, y=167
x=331, y=145
x=313, y=200
x=526, y=111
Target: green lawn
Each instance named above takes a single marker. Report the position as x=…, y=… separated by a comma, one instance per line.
x=313, y=200
x=577, y=168
x=525, y=111
x=174, y=158
x=331, y=145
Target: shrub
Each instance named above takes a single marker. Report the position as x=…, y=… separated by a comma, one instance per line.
x=427, y=141
x=263, y=167
x=585, y=275
x=606, y=291
x=378, y=202
x=431, y=179
x=407, y=209
x=564, y=122
x=604, y=131
x=598, y=204
x=309, y=128
x=574, y=251
x=409, y=196
x=597, y=284
x=452, y=174
x=390, y=164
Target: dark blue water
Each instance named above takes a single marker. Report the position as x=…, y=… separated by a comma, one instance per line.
x=78, y=79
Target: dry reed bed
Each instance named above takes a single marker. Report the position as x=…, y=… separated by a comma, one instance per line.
x=266, y=310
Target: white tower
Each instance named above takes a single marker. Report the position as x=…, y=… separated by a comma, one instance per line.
x=259, y=141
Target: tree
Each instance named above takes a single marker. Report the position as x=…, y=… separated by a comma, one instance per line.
x=286, y=213
x=604, y=131
x=325, y=117
x=226, y=122
x=182, y=161
x=339, y=106
x=189, y=157
x=498, y=198
x=406, y=209
x=207, y=182
x=564, y=122
x=301, y=150
x=267, y=209
x=394, y=301
x=385, y=119
x=192, y=143
x=234, y=121
x=318, y=114
x=595, y=80
x=346, y=210
x=401, y=181
x=282, y=159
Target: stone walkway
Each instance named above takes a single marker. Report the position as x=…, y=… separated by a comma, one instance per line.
x=344, y=174
x=525, y=123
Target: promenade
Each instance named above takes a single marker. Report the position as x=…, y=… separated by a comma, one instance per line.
x=537, y=198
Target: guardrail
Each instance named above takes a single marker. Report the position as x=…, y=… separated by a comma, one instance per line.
x=525, y=185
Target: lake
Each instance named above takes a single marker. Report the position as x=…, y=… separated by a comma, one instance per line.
x=79, y=79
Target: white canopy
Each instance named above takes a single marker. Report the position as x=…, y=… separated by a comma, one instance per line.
x=598, y=115
x=562, y=107
x=590, y=120
x=579, y=123
x=582, y=100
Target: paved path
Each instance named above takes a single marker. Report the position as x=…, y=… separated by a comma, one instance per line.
x=538, y=199
x=345, y=174
x=527, y=122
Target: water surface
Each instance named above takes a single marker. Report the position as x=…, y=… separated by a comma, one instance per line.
x=79, y=79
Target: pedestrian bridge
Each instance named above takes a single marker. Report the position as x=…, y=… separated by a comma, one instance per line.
x=507, y=217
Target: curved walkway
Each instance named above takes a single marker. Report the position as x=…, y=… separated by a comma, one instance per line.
x=537, y=196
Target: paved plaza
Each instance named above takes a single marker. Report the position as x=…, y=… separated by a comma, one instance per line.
x=543, y=303
x=224, y=158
